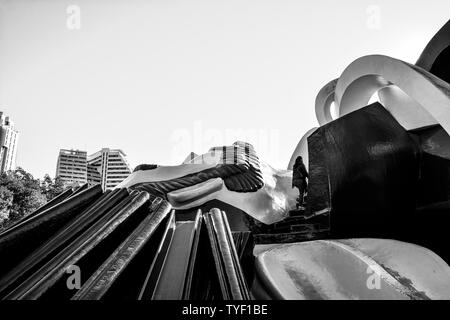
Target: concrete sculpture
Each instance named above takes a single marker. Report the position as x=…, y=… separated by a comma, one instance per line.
x=233, y=174
x=395, y=82
x=378, y=179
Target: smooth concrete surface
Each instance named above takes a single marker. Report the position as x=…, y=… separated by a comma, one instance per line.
x=324, y=99
x=353, y=269
x=367, y=75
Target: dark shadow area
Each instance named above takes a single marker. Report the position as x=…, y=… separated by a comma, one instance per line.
x=380, y=181
x=441, y=66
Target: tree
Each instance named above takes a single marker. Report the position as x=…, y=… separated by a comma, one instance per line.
x=6, y=199
x=51, y=188
x=20, y=194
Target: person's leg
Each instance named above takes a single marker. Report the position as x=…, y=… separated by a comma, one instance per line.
x=298, y=203
x=305, y=191
x=300, y=198
x=302, y=192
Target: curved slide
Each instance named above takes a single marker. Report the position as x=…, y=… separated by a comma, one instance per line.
x=366, y=269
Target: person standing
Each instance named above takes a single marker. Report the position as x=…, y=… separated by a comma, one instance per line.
x=299, y=179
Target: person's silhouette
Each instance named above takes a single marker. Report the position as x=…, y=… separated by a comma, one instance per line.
x=299, y=179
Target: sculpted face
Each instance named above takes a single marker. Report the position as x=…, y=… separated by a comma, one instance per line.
x=233, y=174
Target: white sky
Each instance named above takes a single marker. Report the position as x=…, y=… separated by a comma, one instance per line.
x=160, y=78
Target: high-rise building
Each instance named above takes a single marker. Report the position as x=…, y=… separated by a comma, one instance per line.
x=8, y=144
x=107, y=167
x=71, y=167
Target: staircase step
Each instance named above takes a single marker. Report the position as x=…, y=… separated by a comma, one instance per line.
x=297, y=213
x=308, y=228
x=288, y=237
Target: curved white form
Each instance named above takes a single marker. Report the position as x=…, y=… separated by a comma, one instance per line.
x=366, y=75
x=410, y=114
x=353, y=269
x=398, y=102
x=415, y=97
x=324, y=99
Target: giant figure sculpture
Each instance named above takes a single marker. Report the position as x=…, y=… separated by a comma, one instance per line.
x=233, y=174
x=378, y=172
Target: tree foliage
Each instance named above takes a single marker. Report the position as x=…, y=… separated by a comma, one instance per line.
x=21, y=194
x=6, y=199
x=51, y=188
